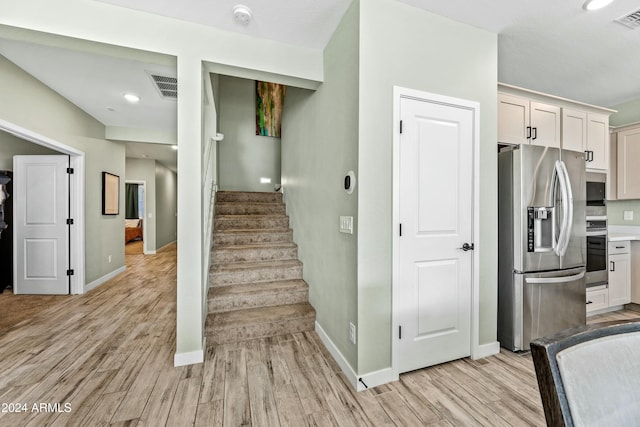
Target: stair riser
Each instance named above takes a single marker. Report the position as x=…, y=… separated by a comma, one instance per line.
x=222, y=239
x=241, y=302
x=265, y=274
x=262, y=330
x=248, y=209
x=222, y=256
x=222, y=223
x=274, y=197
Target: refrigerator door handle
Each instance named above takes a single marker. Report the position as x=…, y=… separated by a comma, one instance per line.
x=569, y=220
x=551, y=280
x=559, y=173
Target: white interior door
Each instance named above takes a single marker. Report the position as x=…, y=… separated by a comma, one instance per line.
x=41, y=235
x=433, y=302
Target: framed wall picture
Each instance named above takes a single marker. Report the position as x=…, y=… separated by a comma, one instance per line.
x=110, y=193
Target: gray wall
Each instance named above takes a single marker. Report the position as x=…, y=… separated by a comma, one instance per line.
x=28, y=103
x=145, y=170
x=405, y=46
x=166, y=206
x=628, y=113
x=319, y=147
x=13, y=146
x=243, y=156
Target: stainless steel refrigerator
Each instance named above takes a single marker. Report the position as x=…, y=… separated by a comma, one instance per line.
x=541, y=243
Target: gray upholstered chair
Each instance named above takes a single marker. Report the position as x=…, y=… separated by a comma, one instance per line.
x=590, y=375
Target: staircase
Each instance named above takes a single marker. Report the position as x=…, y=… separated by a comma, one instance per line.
x=256, y=287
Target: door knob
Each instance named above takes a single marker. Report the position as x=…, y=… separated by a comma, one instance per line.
x=467, y=247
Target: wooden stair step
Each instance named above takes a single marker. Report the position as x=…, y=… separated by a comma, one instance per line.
x=247, y=196
x=246, y=272
x=241, y=325
x=255, y=252
x=248, y=237
x=226, y=222
x=254, y=295
x=244, y=208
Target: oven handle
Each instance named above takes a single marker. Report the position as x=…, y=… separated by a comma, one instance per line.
x=563, y=279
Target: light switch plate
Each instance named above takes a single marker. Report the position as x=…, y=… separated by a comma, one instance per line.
x=346, y=224
x=628, y=215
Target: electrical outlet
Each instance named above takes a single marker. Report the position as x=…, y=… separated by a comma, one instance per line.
x=346, y=224
x=352, y=333
x=628, y=215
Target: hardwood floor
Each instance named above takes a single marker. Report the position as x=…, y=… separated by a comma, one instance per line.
x=107, y=359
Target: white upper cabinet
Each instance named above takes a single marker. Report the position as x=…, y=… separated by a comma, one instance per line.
x=523, y=121
x=574, y=130
x=629, y=164
x=588, y=132
x=597, y=141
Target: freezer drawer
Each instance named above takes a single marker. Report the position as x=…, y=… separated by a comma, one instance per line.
x=550, y=302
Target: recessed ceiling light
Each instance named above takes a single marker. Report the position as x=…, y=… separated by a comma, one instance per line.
x=595, y=4
x=132, y=98
x=174, y=147
x=242, y=14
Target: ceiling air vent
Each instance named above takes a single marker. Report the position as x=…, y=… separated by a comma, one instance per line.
x=166, y=85
x=631, y=20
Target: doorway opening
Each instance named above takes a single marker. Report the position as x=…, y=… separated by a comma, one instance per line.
x=135, y=227
x=76, y=245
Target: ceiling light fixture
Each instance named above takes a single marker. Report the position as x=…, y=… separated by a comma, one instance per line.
x=595, y=4
x=242, y=14
x=134, y=99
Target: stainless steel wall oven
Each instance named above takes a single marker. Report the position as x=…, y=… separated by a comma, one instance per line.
x=596, y=252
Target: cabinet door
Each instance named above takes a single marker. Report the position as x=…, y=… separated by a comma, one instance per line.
x=598, y=141
x=545, y=124
x=513, y=119
x=628, y=161
x=574, y=130
x=619, y=279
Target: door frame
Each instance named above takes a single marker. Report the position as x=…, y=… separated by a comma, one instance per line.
x=398, y=94
x=144, y=219
x=76, y=193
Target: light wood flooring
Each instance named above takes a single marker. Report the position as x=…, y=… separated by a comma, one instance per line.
x=109, y=356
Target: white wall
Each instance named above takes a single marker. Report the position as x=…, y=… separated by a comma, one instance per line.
x=244, y=157
x=409, y=47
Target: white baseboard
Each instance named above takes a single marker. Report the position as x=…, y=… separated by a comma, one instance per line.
x=101, y=280
x=337, y=355
x=485, y=350
x=371, y=379
x=190, y=357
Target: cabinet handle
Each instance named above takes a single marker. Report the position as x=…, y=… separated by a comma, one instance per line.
x=589, y=302
x=586, y=155
x=619, y=247
x=535, y=133
x=528, y=132
x=591, y=156
x=612, y=266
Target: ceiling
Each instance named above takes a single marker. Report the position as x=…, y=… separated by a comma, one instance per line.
x=550, y=46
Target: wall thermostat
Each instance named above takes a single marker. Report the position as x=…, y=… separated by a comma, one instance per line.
x=350, y=182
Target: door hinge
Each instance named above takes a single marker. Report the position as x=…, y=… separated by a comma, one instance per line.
x=70, y=171
x=399, y=332
x=70, y=272
x=400, y=126
x=70, y=221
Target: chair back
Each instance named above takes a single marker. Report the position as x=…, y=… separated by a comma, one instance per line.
x=590, y=375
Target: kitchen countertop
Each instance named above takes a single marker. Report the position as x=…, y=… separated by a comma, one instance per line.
x=620, y=233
